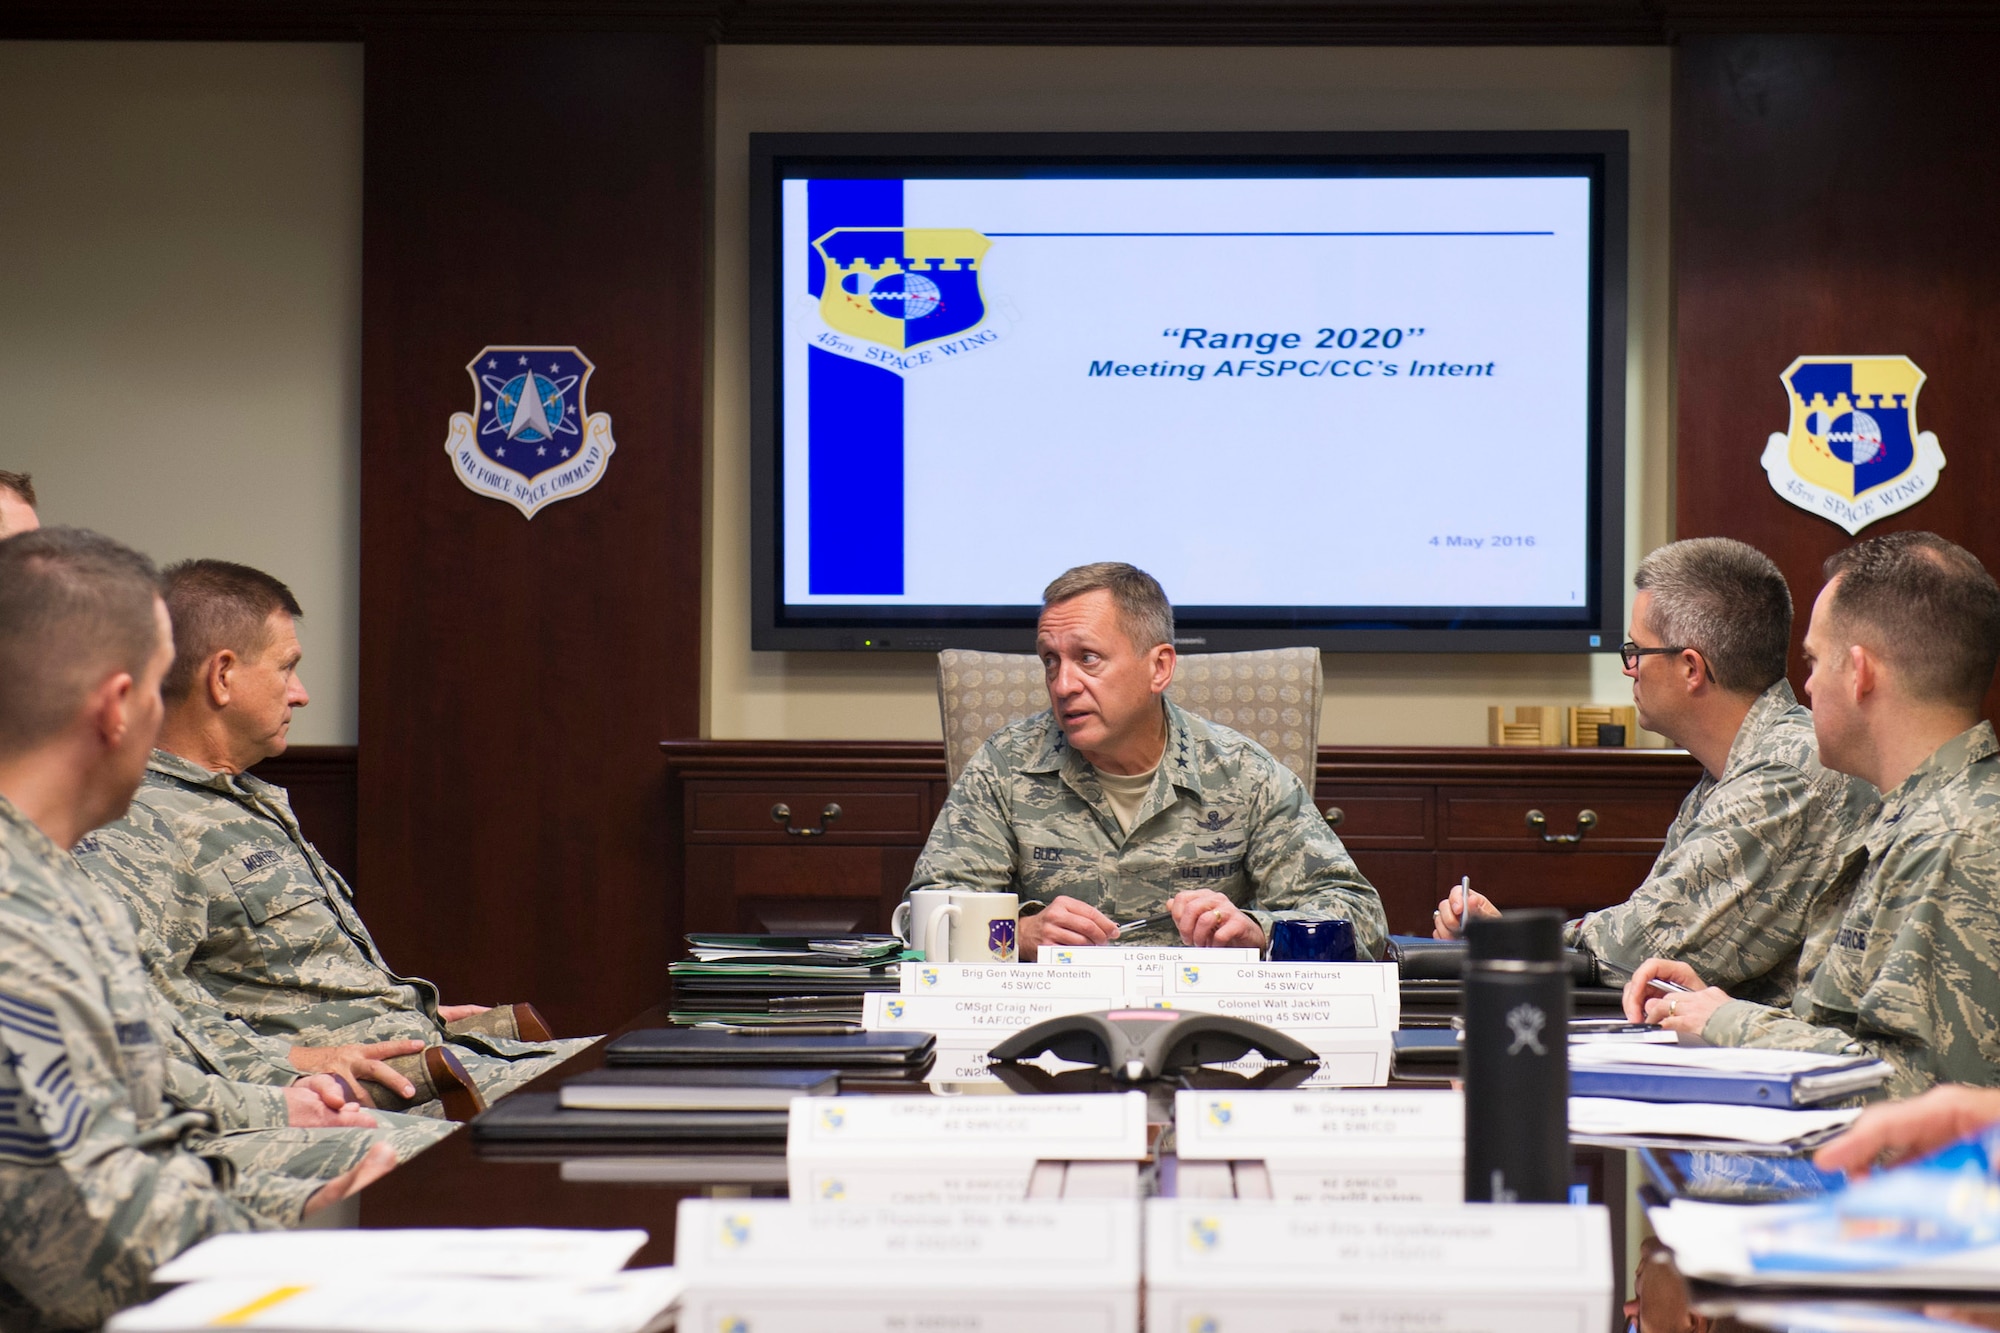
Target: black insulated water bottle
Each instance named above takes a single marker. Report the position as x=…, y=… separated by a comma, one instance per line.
x=1516, y=1059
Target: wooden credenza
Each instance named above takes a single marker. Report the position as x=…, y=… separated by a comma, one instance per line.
x=807, y=836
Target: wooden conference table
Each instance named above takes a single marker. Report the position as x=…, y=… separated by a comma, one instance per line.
x=458, y=1184
x=455, y=1184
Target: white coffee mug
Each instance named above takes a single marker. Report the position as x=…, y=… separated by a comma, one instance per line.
x=974, y=928
x=911, y=920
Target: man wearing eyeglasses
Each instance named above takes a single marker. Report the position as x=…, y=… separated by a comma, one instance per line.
x=1740, y=890
x=1903, y=644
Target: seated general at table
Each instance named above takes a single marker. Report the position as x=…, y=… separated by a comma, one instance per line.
x=1746, y=890
x=1902, y=646
x=1116, y=805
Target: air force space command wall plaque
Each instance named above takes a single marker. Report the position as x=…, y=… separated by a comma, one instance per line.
x=528, y=439
x=1853, y=453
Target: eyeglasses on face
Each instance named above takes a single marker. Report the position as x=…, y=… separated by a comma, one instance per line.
x=1632, y=652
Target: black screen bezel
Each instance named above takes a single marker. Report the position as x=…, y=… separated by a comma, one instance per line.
x=1602, y=155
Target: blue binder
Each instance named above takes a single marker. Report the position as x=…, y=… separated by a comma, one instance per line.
x=1667, y=1083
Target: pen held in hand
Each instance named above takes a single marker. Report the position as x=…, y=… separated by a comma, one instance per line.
x=1145, y=921
x=1662, y=983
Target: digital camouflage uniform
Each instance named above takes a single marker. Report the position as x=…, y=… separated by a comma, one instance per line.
x=110, y=1157
x=1028, y=816
x=234, y=905
x=1912, y=974
x=1740, y=890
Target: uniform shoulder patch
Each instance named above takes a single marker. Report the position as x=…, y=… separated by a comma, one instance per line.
x=41, y=1114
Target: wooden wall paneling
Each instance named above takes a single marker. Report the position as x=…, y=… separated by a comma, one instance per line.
x=321, y=782
x=1495, y=818
x=1044, y=22
x=1576, y=881
x=1833, y=195
x=1384, y=817
x=530, y=188
x=1406, y=882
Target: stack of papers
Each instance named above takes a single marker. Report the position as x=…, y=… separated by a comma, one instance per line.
x=622, y=1303
x=1631, y=1124
x=751, y=980
x=424, y=1252
x=1711, y=1242
x=419, y=1281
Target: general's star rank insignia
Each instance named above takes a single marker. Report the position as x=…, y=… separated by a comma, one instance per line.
x=529, y=440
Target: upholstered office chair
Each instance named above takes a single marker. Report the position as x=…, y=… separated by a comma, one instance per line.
x=1270, y=695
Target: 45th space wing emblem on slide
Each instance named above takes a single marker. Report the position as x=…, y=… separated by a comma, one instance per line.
x=1853, y=454
x=529, y=440
x=902, y=287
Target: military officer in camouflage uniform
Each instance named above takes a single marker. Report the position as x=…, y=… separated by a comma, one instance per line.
x=112, y=1155
x=1116, y=805
x=1746, y=890
x=249, y=932
x=1902, y=645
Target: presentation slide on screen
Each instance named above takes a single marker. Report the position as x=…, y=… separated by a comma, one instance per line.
x=1285, y=392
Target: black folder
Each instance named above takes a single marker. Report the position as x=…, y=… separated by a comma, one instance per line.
x=1419, y=958
x=706, y=1046
x=540, y=1117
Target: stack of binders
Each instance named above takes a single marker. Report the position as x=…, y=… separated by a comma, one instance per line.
x=1722, y=1075
x=663, y=1108
x=781, y=980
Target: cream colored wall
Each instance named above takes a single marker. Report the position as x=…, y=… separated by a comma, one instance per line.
x=1371, y=698
x=180, y=312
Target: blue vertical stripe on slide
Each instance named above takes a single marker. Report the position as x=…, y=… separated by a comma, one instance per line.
x=856, y=480
x=854, y=426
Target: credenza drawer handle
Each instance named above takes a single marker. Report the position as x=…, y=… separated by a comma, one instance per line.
x=1538, y=824
x=1335, y=815
x=782, y=814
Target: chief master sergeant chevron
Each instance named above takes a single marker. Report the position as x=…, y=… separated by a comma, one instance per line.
x=1116, y=805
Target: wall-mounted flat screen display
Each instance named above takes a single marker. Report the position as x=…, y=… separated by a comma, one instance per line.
x=1359, y=391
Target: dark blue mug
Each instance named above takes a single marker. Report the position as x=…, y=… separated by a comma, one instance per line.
x=1329, y=941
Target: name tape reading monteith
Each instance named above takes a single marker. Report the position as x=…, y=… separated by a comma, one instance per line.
x=1008, y=980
